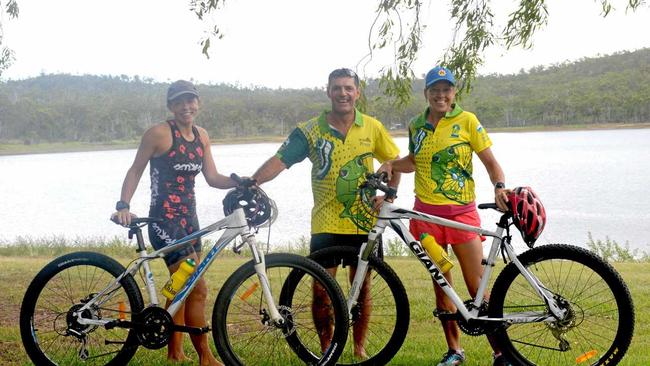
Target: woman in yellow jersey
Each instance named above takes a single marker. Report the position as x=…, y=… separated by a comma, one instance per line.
x=441, y=142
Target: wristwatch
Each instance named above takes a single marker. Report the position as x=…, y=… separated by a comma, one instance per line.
x=121, y=205
x=499, y=185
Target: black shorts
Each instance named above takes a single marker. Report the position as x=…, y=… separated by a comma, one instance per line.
x=325, y=240
x=162, y=234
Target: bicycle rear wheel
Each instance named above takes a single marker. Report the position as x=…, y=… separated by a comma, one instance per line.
x=244, y=332
x=600, y=324
x=388, y=318
x=53, y=336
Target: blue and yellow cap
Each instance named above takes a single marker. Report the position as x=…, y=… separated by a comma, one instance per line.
x=439, y=73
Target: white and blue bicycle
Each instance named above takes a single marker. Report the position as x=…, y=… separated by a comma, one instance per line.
x=85, y=308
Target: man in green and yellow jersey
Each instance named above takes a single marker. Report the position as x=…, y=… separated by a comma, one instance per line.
x=341, y=145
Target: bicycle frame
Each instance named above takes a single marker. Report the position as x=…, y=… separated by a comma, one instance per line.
x=233, y=225
x=391, y=215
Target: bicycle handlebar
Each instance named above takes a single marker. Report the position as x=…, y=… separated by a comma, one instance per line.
x=243, y=182
x=379, y=181
x=258, y=207
x=136, y=221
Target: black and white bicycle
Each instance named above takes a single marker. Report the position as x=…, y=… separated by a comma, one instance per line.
x=554, y=304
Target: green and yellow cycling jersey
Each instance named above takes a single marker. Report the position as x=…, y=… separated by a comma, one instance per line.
x=443, y=156
x=339, y=165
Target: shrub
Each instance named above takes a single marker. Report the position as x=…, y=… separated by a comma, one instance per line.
x=612, y=251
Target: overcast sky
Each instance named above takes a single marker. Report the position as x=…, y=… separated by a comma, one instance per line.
x=277, y=43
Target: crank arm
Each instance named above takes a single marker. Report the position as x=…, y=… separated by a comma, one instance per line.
x=191, y=330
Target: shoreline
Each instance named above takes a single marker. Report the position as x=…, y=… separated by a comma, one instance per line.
x=9, y=149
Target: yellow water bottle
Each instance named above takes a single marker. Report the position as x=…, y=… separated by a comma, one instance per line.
x=436, y=252
x=178, y=279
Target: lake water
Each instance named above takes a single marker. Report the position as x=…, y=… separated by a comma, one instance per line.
x=589, y=181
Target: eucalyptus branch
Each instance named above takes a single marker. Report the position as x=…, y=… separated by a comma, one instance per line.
x=397, y=78
x=529, y=17
x=6, y=54
x=473, y=33
x=202, y=8
x=474, y=20
x=12, y=9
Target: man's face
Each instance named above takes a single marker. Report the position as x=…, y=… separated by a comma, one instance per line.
x=184, y=108
x=440, y=96
x=344, y=94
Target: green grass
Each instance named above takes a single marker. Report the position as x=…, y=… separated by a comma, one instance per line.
x=424, y=343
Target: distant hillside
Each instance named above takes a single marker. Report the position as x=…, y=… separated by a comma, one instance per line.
x=61, y=108
x=608, y=89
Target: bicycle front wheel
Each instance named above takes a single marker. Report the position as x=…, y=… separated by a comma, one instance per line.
x=380, y=326
x=600, y=322
x=244, y=332
x=53, y=336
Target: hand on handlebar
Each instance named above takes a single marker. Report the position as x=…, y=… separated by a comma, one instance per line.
x=378, y=181
x=501, y=198
x=243, y=182
x=387, y=169
x=123, y=217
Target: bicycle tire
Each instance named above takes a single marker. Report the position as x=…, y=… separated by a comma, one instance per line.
x=388, y=327
x=242, y=337
x=602, y=311
x=46, y=324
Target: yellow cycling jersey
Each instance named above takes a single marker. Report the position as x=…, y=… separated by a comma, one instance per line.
x=443, y=156
x=339, y=165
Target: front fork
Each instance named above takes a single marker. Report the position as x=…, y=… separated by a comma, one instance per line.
x=362, y=267
x=260, y=269
x=547, y=296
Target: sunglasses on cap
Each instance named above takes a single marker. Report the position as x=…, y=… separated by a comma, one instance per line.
x=343, y=73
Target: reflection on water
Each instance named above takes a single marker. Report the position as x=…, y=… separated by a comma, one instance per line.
x=588, y=180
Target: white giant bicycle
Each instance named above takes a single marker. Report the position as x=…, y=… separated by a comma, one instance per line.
x=554, y=304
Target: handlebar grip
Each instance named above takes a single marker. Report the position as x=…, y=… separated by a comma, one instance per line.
x=236, y=178
x=492, y=205
x=391, y=193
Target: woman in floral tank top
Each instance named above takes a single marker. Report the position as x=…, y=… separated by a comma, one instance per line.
x=177, y=150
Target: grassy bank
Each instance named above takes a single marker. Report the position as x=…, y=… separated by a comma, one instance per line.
x=17, y=148
x=424, y=343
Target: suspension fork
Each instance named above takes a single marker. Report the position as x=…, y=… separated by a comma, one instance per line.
x=260, y=269
x=362, y=265
x=539, y=288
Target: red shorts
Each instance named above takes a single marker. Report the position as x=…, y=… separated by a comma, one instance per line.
x=447, y=235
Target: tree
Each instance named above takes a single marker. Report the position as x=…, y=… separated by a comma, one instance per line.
x=6, y=54
x=399, y=26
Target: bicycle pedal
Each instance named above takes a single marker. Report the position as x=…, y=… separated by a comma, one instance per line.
x=445, y=315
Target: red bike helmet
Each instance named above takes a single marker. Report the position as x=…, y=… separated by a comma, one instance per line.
x=528, y=213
